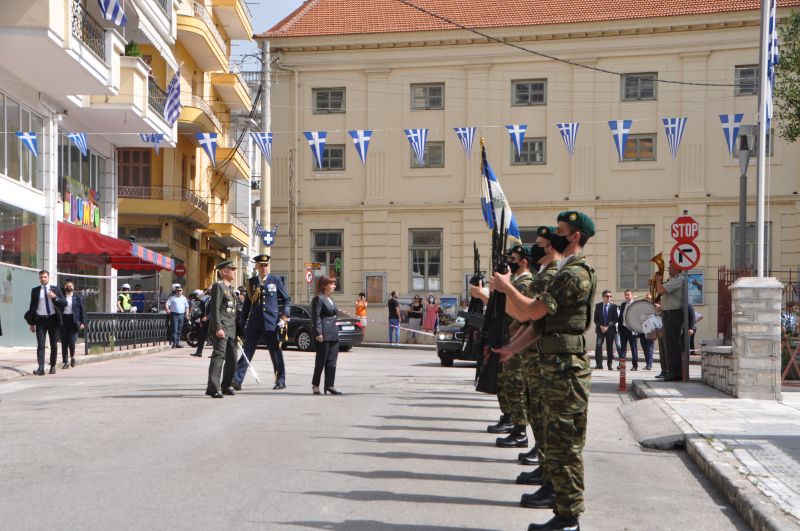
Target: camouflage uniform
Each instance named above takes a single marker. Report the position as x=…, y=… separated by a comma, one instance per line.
x=511, y=390
x=566, y=375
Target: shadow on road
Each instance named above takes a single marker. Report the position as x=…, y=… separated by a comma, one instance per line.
x=429, y=419
x=372, y=525
x=489, y=406
x=382, y=495
x=408, y=440
x=432, y=457
x=418, y=428
x=401, y=474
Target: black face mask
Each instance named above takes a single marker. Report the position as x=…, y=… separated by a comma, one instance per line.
x=69, y=290
x=514, y=267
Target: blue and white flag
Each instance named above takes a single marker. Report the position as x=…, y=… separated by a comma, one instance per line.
x=517, y=133
x=494, y=204
x=209, y=143
x=152, y=138
x=361, y=139
x=29, y=139
x=264, y=142
x=569, y=133
x=268, y=236
x=730, y=128
x=674, y=128
x=316, y=141
x=417, y=138
x=112, y=11
x=620, y=129
x=172, y=105
x=773, y=58
x=467, y=137
x=79, y=139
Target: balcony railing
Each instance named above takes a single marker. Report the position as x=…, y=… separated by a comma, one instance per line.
x=156, y=98
x=88, y=30
x=166, y=7
x=201, y=13
x=192, y=100
x=251, y=77
x=238, y=223
x=159, y=193
x=194, y=199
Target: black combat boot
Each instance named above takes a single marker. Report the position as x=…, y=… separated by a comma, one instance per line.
x=557, y=523
x=518, y=438
x=504, y=425
x=531, y=457
x=544, y=498
x=534, y=477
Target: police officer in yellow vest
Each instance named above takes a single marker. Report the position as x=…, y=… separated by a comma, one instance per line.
x=124, y=303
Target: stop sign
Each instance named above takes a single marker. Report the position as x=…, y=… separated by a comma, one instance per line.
x=180, y=270
x=685, y=229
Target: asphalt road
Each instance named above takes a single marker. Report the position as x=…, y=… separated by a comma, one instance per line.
x=134, y=444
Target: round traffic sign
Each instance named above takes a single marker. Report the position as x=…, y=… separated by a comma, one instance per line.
x=685, y=256
x=685, y=229
x=309, y=276
x=180, y=270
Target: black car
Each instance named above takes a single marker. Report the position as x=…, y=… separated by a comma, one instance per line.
x=301, y=334
x=450, y=344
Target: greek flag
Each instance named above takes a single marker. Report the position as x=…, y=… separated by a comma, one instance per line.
x=29, y=139
x=620, y=129
x=79, y=139
x=268, y=236
x=264, y=143
x=417, y=138
x=517, y=133
x=730, y=128
x=316, y=140
x=209, y=143
x=361, y=139
x=494, y=203
x=113, y=11
x=172, y=106
x=467, y=136
x=773, y=58
x=674, y=128
x=569, y=133
x=152, y=138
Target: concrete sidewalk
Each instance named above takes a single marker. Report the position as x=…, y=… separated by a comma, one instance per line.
x=749, y=448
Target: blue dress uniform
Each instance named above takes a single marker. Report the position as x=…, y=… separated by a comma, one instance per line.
x=266, y=300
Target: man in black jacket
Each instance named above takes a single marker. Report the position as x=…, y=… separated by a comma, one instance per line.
x=626, y=335
x=44, y=317
x=606, y=315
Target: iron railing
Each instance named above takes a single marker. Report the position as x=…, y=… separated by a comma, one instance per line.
x=159, y=193
x=166, y=7
x=238, y=223
x=88, y=30
x=109, y=330
x=194, y=199
x=156, y=98
x=192, y=100
x=201, y=13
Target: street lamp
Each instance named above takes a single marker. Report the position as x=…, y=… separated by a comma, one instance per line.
x=747, y=136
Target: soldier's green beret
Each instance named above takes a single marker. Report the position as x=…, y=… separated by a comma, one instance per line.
x=225, y=263
x=521, y=250
x=546, y=232
x=261, y=259
x=579, y=220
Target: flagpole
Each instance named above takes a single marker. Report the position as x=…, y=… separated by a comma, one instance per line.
x=265, y=192
x=762, y=136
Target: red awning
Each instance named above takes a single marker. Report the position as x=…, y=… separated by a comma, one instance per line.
x=119, y=253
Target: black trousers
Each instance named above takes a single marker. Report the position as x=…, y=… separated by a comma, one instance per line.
x=202, y=337
x=608, y=339
x=69, y=336
x=673, y=337
x=327, y=355
x=47, y=326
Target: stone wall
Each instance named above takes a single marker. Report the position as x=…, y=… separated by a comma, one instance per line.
x=717, y=368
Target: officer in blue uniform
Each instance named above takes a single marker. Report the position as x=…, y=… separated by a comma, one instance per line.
x=265, y=303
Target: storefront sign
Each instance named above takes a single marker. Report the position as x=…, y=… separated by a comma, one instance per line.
x=81, y=205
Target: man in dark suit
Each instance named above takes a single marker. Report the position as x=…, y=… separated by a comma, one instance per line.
x=266, y=303
x=44, y=317
x=606, y=315
x=626, y=335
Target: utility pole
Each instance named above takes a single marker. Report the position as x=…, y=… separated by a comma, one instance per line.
x=762, y=136
x=266, y=125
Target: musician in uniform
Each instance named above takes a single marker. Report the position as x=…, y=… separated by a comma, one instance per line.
x=266, y=302
x=672, y=313
x=221, y=307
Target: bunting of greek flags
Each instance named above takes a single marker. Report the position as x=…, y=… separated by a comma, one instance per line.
x=152, y=138
x=730, y=128
x=209, y=143
x=517, y=133
x=620, y=129
x=467, y=136
x=674, y=128
x=79, y=139
x=417, y=138
x=316, y=141
x=264, y=142
x=29, y=139
x=493, y=203
x=172, y=105
x=773, y=57
x=113, y=12
x=569, y=133
x=361, y=139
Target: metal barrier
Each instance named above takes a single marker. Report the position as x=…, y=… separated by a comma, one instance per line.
x=109, y=330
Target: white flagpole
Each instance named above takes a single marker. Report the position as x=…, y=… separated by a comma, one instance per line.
x=762, y=137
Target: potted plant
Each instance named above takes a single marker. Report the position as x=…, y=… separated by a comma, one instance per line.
x=132, y=50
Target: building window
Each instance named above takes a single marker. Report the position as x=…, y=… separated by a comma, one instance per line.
x=770, y=144
x=16, y=160
x=746, y=80
x=425, y=249
x=326, y=248
x=134, y=167
x=635, y=249
x=332, y=158
x=532, y=151
x=433, y=156
x=529, y=92
x=638, y=87
x=528, y=235
x=640, y=147
x=76, y=172
x=427, y=96
x=750, y=244
x=328, y=100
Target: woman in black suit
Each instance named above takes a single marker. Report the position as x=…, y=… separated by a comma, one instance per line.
x=326, y=335
x=74, y=320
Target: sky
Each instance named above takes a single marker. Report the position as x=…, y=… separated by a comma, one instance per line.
x=265, y=13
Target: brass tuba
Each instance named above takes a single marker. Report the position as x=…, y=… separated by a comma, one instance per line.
x=658, y=260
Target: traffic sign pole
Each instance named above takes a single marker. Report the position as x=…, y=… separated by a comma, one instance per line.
x=685, y=255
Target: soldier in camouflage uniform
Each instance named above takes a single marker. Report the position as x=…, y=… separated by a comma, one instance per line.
x=566, y=306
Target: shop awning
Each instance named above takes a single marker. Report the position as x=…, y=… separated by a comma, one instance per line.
x=119, y=253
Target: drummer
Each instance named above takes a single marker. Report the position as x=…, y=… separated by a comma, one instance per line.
x=626, y=335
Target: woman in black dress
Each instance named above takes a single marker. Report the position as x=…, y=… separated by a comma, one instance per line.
x=326, y=335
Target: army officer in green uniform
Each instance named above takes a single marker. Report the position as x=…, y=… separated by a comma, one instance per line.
x=222, y=324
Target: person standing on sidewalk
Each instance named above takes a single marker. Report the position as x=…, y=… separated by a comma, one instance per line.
x=44, y=317
x=394, y=319
x=74, y=319
x=626, y=335
x=430, y=323
x=414, y=318
x=221, y=306
x=178, y=308
x=606, y=315
x=672, y=315
x=361, y=311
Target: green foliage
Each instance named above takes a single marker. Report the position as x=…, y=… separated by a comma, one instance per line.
x=787, y=89
x=132, y=50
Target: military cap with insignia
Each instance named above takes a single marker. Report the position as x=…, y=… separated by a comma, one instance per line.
x=224, y=264
x=579, y=220
x=521, y=250
x=559, y=243
x=261, y=259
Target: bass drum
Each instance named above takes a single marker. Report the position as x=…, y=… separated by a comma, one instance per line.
x=636, y=313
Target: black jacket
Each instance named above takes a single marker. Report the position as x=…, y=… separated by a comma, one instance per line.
x=621, y=328
x=613, y=317
x=78, y=311
x=58, y=304
x=323, y=318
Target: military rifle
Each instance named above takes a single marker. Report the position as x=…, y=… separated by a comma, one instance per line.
x=473, y=317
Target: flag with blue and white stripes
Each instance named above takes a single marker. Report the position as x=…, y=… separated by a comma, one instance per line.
x=29, y=139
x=494, y=203
x=112, y=11
x=674, y=128
x=467, y=137
x=152, y=138
x=316, y=141
x=172, y=105
x=79, y=139
x=361, y=139
x=264, y=142
x=569, y=133
x=620, y=129
x=773, y=58
x=730, y=128
x=417, y=139
x=517, y=133
x=209, y=143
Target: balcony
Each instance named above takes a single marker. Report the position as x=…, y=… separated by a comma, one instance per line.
x=200, y=36
x=229, y=231
x=234, y=17
x=197, y=116
x=232, y=161
x=163, y=201
x=232, y=89
x=150, y=21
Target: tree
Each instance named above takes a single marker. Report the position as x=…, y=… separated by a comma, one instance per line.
x=787, y=86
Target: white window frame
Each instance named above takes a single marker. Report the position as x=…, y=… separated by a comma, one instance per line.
x=640, y=77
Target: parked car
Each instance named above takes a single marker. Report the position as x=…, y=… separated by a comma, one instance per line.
x=301, y=334
x=450, y=344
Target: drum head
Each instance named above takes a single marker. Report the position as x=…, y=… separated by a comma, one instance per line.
x=636, y=313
